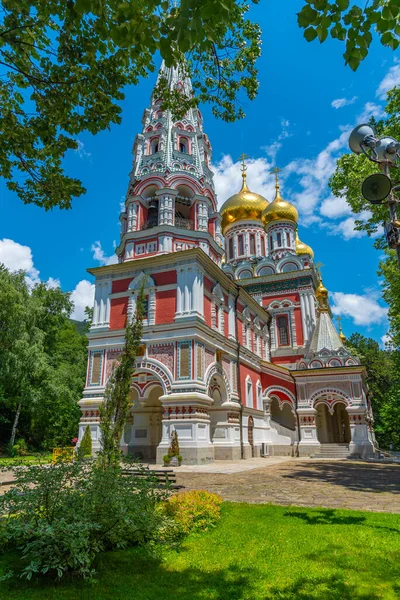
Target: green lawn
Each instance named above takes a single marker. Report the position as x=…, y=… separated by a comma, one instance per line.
x=5, y=461
x=257, y=552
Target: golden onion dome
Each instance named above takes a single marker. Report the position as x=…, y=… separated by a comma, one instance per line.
x=279, y=210
x=243, y=206
x=321, y=294
x=342, y=337
x=302, y=248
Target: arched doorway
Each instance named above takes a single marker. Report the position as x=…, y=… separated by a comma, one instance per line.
x=250, y=433
x=282, y=418
x=143, y=430
x=333, y=425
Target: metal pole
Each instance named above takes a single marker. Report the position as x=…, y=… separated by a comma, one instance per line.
x=392, y=202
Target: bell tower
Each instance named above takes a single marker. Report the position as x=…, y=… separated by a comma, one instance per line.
x=170, y=203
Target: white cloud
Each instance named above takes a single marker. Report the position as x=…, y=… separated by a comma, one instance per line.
x=17, y=257
x=228, y=177
x=53, y=283
x=333, y=207
x=82, y=296
x=363, y=309
x=370, y=110
x=340, y=102
x=81, y=152
x=391, y=79
x=98, y=254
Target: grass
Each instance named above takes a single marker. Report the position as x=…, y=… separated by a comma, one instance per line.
x=256, y=552
x=6, y=461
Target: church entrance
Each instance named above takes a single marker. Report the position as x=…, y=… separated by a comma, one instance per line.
x=333, y=428
x=143, y=431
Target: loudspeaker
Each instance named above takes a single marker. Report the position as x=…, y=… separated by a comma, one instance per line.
x=363, y=134
x=376, y=188
x=387, y=149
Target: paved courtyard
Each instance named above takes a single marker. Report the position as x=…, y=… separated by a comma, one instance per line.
x=301, y=482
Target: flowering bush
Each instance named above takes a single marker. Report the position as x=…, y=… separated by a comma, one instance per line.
x=196, y=510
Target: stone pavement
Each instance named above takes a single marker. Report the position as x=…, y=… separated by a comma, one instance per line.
x=301, y=482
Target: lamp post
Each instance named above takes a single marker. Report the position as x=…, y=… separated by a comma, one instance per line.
x=376, y=188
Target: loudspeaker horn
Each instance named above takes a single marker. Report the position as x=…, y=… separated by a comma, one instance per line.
x=363, y=134
x=387, y=149
x=376, y=188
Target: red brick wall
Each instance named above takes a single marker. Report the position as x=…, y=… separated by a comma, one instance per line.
x=165, y=306
x=118, y=313
x=299, y=327
x=121, y=285
x=207, y=310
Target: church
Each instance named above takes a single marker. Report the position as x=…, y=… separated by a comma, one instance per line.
x=239, y=353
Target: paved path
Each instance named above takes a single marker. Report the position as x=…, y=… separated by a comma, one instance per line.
x=303, y=482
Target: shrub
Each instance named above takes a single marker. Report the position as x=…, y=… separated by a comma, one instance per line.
x=61, y=516
x=196, y=510
x=85, y=447
x=167, y=459
x=20, y=448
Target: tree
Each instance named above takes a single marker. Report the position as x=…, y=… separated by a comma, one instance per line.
x=85, y=447
x=346, y=182
x=116, y=404
x=354, y=25
x=65, y=66
x=42, y=363
x=383, y=382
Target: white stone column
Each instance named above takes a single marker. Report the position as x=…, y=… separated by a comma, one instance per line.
x=202, y=216
x=151, y=317
x=131, y=310
x=303, y=301
x=190, y=292
x=132, y=216
x=108, y=304
x=231, y=318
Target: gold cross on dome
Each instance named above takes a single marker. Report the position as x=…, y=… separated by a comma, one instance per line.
x=318, y=267
x=243, y=157
x=275, y=171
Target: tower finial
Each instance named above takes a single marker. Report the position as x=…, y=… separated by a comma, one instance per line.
x=276, y=171
x=243, y=157
x=319, y=270
x=341, y=334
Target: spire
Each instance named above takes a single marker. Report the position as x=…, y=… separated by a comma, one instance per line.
x=341, y=334
x=276, y=171
x=244, y=187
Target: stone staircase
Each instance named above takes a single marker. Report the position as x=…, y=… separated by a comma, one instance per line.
x=333, y=451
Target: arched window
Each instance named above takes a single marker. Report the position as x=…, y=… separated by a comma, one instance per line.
x=283, y=330
x=249, y=392
x=265, y=271
x=240, y=245
x=252, y=244
x=154, y=146
x=245, y=274
x=183, y=145
x=263, y=245
x=279, y=239
x=288, y=238
x=287, y=267
x=259, y=396
x=271, y=242
x=230, y=248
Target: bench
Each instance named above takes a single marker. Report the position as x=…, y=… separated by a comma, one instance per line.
x=165, y=477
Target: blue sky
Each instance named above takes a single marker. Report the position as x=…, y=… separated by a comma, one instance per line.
x=308, y=100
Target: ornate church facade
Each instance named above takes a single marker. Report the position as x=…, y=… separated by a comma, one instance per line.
x=239, y=352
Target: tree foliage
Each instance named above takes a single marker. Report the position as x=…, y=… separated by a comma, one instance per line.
x=352, y=24
x=42, y=363
x=65, y=66
x=383, y=381
x=114, y=410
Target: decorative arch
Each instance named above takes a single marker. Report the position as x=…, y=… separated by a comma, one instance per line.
x=268, y=392
x=286, y=260
x=137, y=282
x=216, y=369
x=155, y=367
x=218, y=293
x=338, y=396
x=244, y=274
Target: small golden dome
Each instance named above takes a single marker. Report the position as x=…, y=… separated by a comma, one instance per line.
x=243, y=206
x=302, y=248
x=280, y=210
x=321, y=291
x=342, y=337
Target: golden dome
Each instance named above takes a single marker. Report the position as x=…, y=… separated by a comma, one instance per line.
x=279, y=210
x=243, y=206
x=342, y=337
x=302, y=248
x=321, y=294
